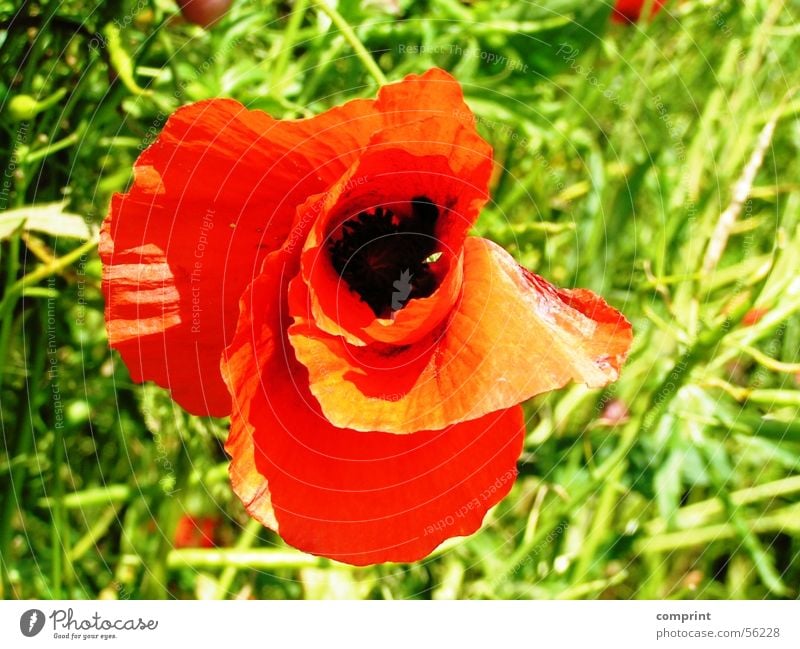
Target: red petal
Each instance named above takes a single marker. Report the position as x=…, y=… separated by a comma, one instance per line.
x=512, y=336
x=215, y=193
x=356, y=497
x=220, y=188
x=629, y=11
x=195, y=532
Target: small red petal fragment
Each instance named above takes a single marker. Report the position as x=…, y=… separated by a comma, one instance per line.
x=204, y=12
x=629, y=11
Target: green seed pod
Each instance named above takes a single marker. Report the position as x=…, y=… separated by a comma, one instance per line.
x=22, y=108
x=121, y=61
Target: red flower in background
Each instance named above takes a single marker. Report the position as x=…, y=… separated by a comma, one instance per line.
x=754, y=316
x=204, y=12
x=314, y=279
x=629, y=11
x=196, y=531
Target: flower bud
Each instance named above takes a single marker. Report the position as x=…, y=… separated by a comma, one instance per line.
x=204, y=12
x=24, y=107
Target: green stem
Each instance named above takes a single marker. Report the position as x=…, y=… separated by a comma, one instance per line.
x=42, y=272
x=259, y=558
x=350, y=36
x=50, y=149
x=312, y=82
x=90, y=497
x=94, y=534
x=746, y=530
x=39, y=42
x=592, y=588
x=166, y=43
x=695, y=515
x=784, y=520
x=57, y=520
x=603, y=520
x=289, y=39
x=244, y=542
x=29, y=404
x=7, y=315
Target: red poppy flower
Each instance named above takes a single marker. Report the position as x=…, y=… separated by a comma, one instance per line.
x=204, y=12
x=754, y=316
x=314, y=279
x=629, y=11
x=195, y=531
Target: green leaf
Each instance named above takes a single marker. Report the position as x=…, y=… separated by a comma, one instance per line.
x=668, y=485
x=47, y=219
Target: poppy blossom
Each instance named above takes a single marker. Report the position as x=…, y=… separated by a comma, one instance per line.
x=195, y=531
x=204, y=12
x=754, y=316
x=629, y=11
x=314, y=280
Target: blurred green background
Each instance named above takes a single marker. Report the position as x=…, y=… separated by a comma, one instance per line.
x=654, y=163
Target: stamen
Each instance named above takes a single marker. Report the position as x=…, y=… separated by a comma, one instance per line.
x=386, y=258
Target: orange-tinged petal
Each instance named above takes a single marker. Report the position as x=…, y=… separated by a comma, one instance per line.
x=511, y=336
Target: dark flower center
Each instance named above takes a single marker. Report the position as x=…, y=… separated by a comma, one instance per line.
x=386, y=258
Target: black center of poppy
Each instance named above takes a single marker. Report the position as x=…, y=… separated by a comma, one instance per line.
x=386, y=258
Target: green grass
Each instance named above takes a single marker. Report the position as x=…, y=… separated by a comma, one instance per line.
x=655, y=164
